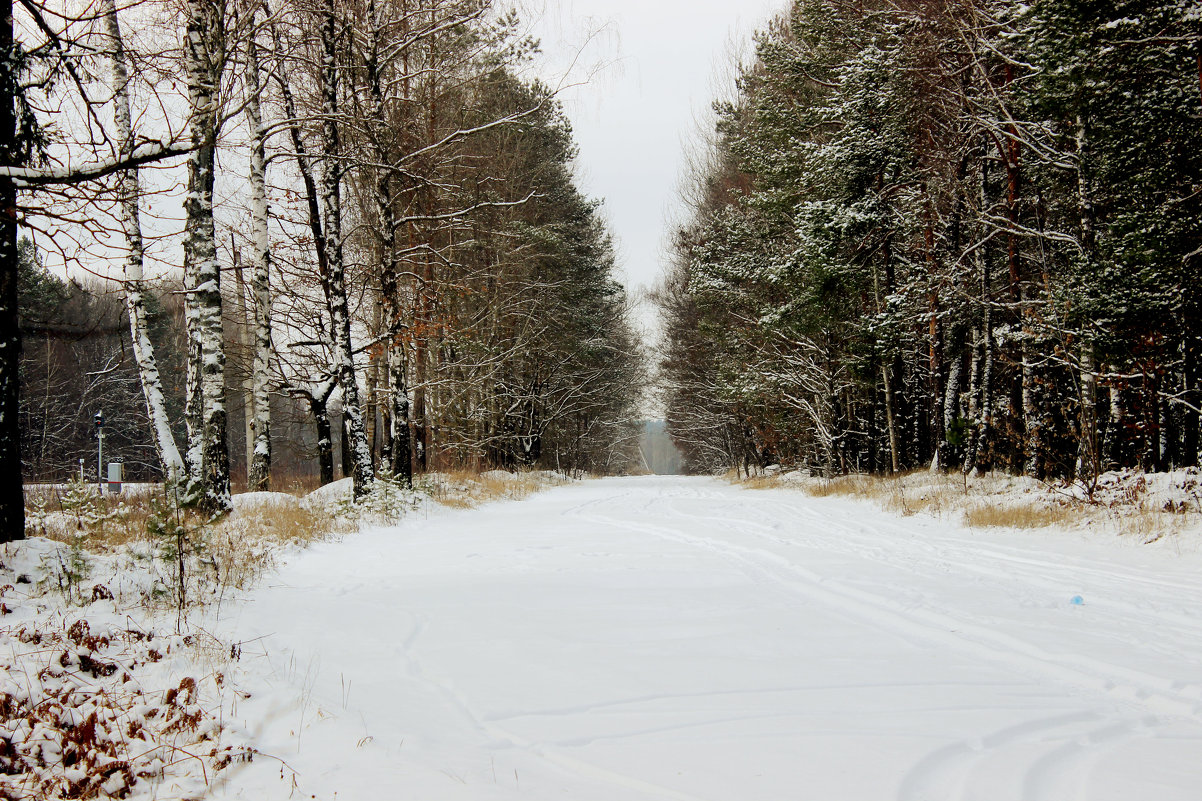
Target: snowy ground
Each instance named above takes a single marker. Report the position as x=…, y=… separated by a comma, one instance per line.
x=656, y=638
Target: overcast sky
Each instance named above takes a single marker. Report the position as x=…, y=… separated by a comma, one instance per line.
x=653, y=69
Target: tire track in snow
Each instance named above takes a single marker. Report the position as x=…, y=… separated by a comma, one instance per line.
x=1059, y=774
x=490, y=727
x=946, y=773
x=917, y=556
x=1156, y=694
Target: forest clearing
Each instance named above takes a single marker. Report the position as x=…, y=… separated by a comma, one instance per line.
x=462, y=399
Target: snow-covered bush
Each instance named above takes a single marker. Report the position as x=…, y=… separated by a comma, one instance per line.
x=388, y=502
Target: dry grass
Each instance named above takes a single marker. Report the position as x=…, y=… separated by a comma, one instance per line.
x=107, y=521
x=1026, y=515
x=842, y=486
x=757, y=482
x=244, y=544
x=466, y=489
x=995, y=501
x=234, y=551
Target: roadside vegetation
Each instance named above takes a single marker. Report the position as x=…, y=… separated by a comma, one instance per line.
x=1144, y=507
x=110, y=682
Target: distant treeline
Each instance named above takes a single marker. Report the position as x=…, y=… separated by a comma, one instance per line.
x=76, y=361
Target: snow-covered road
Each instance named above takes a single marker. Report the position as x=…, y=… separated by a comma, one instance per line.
x=664, y=638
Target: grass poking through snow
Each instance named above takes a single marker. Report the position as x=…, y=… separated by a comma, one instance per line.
x=1147, y=508
x=108, y=684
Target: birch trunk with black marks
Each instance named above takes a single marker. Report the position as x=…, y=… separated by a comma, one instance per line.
x=886, y=377
x=333, y=278
x=319, y=407
x=1088, y=465
x=208, y=461
x=977, y=457
x=259, y=477
x=129, y=196
x=399, y=450
x=951, y=412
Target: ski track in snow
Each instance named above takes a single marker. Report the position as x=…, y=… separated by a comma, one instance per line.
x=658, y=638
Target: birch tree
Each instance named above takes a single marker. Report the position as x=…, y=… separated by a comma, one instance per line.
x=259, y=477
x=27, y=172
x=129, y=197
x=204, y=53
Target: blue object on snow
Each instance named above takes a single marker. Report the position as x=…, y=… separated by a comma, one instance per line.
x=1077, y=601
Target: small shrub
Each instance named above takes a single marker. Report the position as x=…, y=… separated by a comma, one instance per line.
x=179, y=534
x=66, y=569
x=388, y=502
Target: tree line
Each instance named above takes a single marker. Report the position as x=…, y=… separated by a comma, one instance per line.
x=378, y=224
x=963, y=234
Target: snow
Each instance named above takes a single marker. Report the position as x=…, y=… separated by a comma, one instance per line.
x=333, y=493
x=1178, y=490
x=667, y=638
x=255, y=501
x=92, y=699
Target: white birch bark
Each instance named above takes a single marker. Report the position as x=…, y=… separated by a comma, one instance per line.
x=333, y=279
x=398, y=410
x=259, y=478
x=208, y=455
x=1033, y=423
x=1088, y=463
x=951, y=411
x=129, y=194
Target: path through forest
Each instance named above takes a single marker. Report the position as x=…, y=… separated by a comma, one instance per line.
x=672, y=638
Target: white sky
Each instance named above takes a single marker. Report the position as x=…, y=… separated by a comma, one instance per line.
x=653, y=71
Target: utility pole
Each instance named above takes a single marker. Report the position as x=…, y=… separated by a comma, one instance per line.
x=99, y=418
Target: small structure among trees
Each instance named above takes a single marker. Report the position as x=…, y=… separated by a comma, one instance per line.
x=379, y=232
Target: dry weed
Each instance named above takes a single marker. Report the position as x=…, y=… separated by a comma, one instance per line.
x=76, y=721
x=842, y=486
x=760, y=482
x=466, y=489
x=1024, y=515
x=1150, y=526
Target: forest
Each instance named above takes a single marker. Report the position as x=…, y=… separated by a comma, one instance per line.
x=339, y=233
x=957, y=235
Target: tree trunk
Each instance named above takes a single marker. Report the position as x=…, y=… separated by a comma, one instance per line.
x=1088, y=465
x=244, y=326
x=977, y=459
x=400, y=455
x=1032, y=422
x=325, y=437
x=974, y=397
x=886, y=377
x=208, y=454
x=129, y=194
x=935, y=389
x=1115, y=439
x=346, y=454
x=333, y=278
x=1192, y=376
x=951, y=412
x=12, y=494
x=259, y=477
